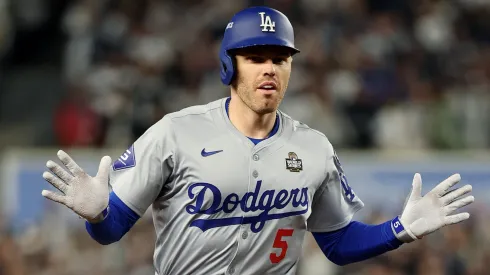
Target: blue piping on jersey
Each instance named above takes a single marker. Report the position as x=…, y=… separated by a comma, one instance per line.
x=118, y=222
x=257, y=140
x=357, y=242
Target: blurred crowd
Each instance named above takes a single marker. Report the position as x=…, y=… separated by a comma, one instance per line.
x=389, y=74
x=383, y=74
x=53, y=250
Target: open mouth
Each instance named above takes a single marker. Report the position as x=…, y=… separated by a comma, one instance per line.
x=268, y=87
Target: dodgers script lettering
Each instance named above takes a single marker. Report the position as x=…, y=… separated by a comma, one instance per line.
x=258, y=202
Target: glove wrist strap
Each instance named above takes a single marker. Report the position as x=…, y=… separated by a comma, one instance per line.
x=402, y=233
x=101, y=217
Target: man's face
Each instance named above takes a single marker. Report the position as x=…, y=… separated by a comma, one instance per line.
x=262, y=76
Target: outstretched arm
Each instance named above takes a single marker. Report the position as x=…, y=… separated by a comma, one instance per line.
x=421, y=216
x=137, y=177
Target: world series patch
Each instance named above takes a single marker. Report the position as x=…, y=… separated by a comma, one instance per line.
x=293, y=163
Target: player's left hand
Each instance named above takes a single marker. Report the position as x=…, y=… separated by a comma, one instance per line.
x=424, y=215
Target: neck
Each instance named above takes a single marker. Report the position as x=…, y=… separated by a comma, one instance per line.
x=247, y=121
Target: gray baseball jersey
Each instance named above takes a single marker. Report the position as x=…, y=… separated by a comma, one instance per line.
x=223, y=205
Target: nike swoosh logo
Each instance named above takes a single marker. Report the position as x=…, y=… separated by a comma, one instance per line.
x=207, y=154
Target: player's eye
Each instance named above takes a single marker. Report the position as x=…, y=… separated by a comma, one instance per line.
x=256, y=59
x=280, y=60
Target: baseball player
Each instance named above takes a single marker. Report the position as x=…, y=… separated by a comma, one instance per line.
x=234, y=185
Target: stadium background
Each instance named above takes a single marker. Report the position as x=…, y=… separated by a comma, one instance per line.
x=398, y=87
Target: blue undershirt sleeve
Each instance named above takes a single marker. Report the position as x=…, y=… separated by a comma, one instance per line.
x=357, y=242
x=118, y=222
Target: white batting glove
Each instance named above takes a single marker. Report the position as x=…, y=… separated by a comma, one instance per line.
x=424, y=215
x=87, y=196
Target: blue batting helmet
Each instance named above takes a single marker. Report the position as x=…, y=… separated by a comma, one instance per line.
x=254, y=26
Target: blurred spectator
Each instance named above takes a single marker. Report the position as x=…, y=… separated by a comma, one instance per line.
x=11, y=258
x=6, y=29
x=76, y=123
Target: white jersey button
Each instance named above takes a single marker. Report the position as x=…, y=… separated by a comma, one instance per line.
x=256, y=157
x=255, y=173
x=231, y=270
x=244, y=235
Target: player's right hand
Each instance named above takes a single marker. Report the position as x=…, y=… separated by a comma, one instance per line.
x=87, y=196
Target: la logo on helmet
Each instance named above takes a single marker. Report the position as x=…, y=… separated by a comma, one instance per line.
x=266, y=23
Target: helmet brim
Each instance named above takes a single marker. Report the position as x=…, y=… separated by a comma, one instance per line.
x=262, y=41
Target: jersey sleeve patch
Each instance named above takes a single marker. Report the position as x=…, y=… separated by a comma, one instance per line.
x=126, y=160
x=348, y=192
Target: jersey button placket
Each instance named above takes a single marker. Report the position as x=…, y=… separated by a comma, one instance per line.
x=255, y=174
x=244, y=245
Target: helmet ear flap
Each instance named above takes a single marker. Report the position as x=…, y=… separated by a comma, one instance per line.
x=227, y=68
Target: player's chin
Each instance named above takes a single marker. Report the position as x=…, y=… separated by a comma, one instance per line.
x=264, y=111
x=267, y=107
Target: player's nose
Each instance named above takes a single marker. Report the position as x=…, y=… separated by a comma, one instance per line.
x=269, y=68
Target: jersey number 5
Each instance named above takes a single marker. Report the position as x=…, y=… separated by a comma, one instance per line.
x=281, y=244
